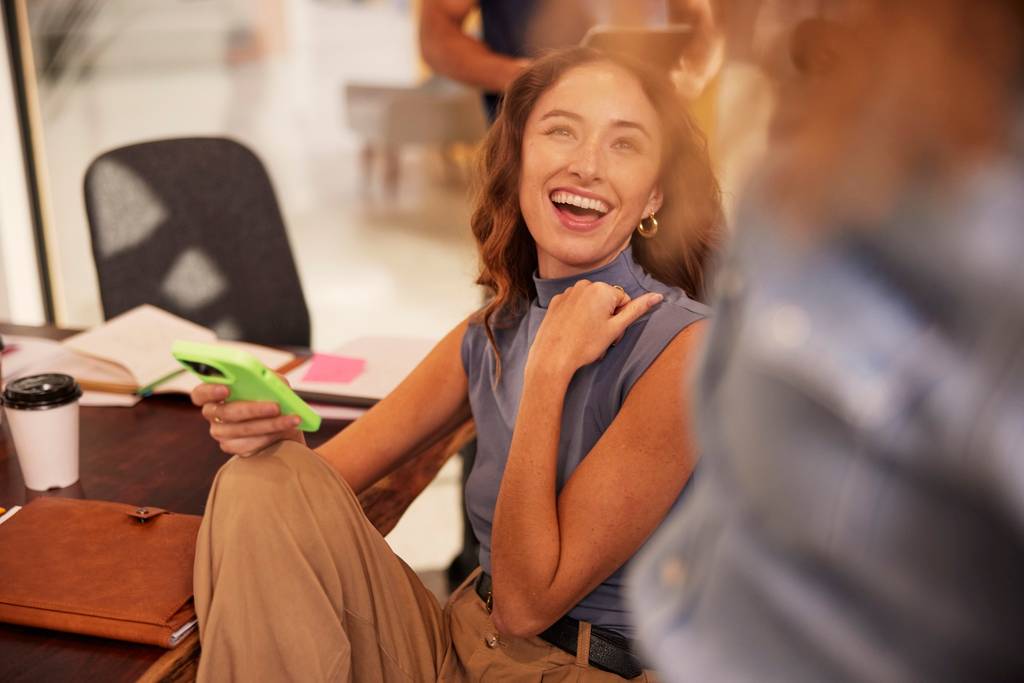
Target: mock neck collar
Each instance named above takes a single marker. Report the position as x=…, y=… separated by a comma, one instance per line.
x=620, y=271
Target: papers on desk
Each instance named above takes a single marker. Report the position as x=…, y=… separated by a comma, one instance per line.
x=383, y=362
x=31, y=355
x=107, y=399
x=138, y=341
x=333, y=368
x=328, y=411
x=129, y=354
x=24, y=353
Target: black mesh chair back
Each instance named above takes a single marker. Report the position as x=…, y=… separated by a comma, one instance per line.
x=192, y=225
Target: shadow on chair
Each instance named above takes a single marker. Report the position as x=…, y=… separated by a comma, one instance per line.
x=192, y=225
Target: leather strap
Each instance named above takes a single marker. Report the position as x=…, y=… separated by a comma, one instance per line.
x=144, y=514
x=609, y=651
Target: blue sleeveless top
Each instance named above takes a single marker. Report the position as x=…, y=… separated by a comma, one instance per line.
x=594, y=397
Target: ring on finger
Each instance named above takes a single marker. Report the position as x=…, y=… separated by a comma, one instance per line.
x=216, y=418
x=619, y=288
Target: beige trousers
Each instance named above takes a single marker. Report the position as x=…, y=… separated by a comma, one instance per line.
x=293, y=583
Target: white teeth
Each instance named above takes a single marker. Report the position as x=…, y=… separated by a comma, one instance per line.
x=563, y=197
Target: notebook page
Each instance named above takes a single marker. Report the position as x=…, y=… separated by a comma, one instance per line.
x=140, y=340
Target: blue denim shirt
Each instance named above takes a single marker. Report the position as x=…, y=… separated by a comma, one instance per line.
x=858, y=514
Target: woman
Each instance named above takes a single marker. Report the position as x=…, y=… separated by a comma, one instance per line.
x=598, y=209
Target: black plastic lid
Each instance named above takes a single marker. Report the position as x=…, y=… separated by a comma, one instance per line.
x=39, y=392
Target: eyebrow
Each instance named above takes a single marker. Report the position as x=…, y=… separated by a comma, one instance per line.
x=618, y=123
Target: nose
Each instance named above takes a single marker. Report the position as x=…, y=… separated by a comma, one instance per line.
x=587, y=162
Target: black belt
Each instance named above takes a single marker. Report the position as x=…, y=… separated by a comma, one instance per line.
x=609, y=651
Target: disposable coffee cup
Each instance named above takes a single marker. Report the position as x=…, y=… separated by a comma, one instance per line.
x=42, y=414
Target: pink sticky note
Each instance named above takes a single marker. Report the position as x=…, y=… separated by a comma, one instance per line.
x=326, y=367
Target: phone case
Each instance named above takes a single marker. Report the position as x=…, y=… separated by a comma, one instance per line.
x=247, y=377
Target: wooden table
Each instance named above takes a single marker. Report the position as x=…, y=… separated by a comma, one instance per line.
x=158, y=453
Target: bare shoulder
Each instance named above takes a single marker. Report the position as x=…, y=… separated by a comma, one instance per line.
x=656, y=411
x=679, y=356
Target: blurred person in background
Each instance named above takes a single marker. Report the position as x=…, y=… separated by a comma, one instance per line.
x=858, y=514
x=517, y=31
x=596, y=222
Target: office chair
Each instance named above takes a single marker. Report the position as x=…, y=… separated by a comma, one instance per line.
x=192, y=225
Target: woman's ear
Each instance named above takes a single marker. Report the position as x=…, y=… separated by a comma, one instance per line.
x=654, y=202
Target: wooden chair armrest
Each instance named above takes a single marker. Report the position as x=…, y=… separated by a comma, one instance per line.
x=386, y=501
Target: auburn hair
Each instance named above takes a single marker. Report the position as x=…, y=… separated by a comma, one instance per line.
x=690, y=219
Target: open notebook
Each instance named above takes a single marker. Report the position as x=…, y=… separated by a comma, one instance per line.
x=129, y=354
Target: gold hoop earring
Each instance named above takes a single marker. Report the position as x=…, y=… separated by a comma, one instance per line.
x=647, y=232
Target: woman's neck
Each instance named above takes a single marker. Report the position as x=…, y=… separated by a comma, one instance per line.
x=548, y=267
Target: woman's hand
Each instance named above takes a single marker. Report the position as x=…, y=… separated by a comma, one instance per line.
x=244, y=427
x=582, y=322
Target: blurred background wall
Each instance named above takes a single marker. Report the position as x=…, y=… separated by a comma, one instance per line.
x=381, y=243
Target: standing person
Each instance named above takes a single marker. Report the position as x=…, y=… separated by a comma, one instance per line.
x=859, y=512
x=596, y=221
x=516, y=31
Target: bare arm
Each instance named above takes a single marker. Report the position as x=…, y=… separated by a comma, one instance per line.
x=549, y=552
x=450, y=52
x=430, y=402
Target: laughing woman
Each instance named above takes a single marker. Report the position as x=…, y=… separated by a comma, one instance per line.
x=596, y=220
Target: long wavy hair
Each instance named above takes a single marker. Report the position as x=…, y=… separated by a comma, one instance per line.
x=690, y=219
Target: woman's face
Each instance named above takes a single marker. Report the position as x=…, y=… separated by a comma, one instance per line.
x=590, y=162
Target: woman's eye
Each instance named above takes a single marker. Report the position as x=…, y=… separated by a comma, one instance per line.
x=559, y=132
x=626, y=144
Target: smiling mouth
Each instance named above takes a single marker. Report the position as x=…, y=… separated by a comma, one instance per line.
x=583, y=209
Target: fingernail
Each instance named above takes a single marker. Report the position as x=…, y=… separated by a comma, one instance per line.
x=658, y=298
x=295, y=421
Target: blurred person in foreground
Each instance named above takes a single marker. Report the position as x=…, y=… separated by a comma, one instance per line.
x=596, y=221
x=858, y=514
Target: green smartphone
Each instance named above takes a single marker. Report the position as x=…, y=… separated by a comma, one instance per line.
x=246, y=376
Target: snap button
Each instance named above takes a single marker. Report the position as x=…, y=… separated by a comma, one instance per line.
x=143, y=514
x=673, y=573
x=491, y=640
x=790, y=326
x=731, y=282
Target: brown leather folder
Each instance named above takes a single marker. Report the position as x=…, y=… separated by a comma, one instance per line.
x=98, y=568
